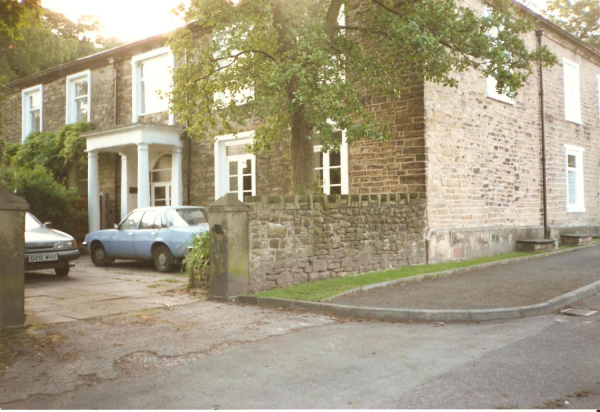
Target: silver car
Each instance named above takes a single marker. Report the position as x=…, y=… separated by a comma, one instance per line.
x=47, y=248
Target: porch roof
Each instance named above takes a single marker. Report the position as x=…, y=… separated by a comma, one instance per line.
x=114, y=139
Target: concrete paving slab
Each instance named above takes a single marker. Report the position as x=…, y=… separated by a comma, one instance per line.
x=90, y=292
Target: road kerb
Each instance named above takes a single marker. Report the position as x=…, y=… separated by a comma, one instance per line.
x=427, y=315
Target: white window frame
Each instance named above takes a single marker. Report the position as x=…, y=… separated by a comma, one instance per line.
x=491, y=92
x=136, y=83
x=598, y=82
x=490, y=81
x=222, y=162
x=222, y=100
x=572, y=97
x=25, y=109
x=71, y=115
x=578, y=153
x=345, y=187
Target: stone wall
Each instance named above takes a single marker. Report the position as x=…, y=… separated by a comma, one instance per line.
x=484, y=171
x=398, y=164
x=299, y=239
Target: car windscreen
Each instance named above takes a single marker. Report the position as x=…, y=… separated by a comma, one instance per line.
x=31, y=222
x=185, y=217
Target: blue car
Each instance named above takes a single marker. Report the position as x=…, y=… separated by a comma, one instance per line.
x=161, y=234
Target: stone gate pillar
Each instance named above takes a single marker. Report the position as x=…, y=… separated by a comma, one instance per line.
x=12, y=259
x=229, y=248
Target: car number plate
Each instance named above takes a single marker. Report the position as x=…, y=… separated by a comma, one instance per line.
x=45, y=257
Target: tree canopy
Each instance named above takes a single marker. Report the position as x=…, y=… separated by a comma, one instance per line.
x=579, y=17
x=61, y=40
x=311, y=63
x=16, y=14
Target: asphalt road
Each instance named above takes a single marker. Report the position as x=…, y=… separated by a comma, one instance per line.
x=202, y=355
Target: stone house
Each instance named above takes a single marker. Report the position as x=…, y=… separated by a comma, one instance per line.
x=471, y=157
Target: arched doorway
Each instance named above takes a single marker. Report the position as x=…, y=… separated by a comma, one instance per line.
x=160, y=181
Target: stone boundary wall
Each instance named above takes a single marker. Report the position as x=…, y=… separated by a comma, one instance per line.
x=298, y=239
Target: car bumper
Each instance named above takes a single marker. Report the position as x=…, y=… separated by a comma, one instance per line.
x=64, y=257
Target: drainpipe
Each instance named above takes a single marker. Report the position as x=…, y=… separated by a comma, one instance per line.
x=540, y=33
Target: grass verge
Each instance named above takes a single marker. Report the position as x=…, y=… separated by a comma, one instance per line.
x=323, y=289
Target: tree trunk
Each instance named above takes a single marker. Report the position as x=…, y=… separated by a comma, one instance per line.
x=303, y=177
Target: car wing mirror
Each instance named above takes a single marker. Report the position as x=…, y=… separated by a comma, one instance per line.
x=48, y=225
x=116, y=225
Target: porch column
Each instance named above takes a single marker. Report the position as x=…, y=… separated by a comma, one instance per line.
x=93, y=192
x=124, y=187
x=143, y=175
x=176, y=178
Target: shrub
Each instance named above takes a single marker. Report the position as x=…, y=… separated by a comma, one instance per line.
x=196, y=262
x=48, y=199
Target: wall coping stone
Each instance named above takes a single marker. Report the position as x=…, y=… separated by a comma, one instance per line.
x=228, y=203
x=324, y=202
x=10, y=201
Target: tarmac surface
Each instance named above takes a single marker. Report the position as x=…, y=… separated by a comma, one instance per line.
x=209, y=356
x=502, y=286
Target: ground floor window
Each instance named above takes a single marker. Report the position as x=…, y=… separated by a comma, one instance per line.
x=331, y=168
x=160, y=182
x=235, y=166
x=574, y=178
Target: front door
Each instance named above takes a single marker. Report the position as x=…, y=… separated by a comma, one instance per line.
x=161, y=194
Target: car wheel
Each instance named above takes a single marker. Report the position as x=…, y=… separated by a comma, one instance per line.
x=99, y=256
x=62, y=271
x=163, y=259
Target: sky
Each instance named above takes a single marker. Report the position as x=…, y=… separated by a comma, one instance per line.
x=131, y=20
x=128, y=20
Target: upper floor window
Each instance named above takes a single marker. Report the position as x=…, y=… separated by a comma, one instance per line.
x=331, y=168
x=152, y=78
x=574, y=165
x=223, y=99
x=598, y=79
x=79, y=97
x=572, y=91
x=491, y=83
x=33, y=114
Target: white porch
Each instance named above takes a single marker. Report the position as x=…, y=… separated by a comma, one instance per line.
x=151, y=167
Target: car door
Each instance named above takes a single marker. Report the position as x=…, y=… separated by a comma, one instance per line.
x=145, y=236
x=121, y=242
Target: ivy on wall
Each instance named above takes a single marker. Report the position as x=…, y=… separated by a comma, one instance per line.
x=38, y=170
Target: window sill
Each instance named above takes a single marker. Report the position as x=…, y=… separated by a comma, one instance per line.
x=147, y=114
x=579, y=122
x=576, y=209
x=506, y=100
